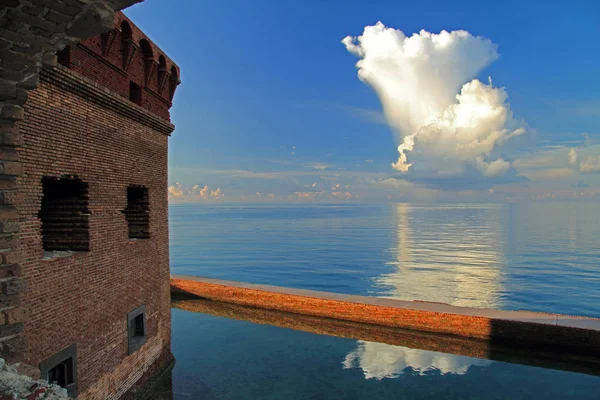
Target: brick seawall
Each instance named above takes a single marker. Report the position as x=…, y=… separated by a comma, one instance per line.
x=483, y=349
x=517, y=328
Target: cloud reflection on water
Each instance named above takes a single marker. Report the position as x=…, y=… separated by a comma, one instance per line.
x=450, y=254
x=379, y=361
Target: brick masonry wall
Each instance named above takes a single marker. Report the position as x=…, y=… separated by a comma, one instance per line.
x=31, y=31
x=75, y=127
x=552, y=332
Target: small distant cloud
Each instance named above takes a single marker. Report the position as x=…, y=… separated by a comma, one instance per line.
x=304, y=196
x=341, y=195
x=260, y=196
x=583, y=163
x=338, y=192
x=318, y=165
x=581, y=185
x=175, y=191
x=198, y=193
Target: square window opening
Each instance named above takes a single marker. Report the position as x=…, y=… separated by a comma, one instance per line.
x=65, y=215
x=61, y=369
x=135, y=93
x=137, y=212
x=136, y=327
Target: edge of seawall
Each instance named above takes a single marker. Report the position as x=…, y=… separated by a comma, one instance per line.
x=526, y=328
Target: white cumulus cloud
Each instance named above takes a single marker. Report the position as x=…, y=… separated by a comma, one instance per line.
x=446, y=122
x=179, y=192
x=584, y=163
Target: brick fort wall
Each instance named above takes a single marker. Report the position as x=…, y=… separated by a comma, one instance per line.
x=78, y=128
x=31, y=31
x=83, y=298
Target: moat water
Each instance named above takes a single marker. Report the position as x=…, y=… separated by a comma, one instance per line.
x=542, y=257
x=220, y=358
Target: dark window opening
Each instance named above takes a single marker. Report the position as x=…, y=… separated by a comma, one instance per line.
x=135, y=93
x=126, y=33
x=62, y=374
x=136, y=328
x=148, y=55
x=61, y=369
x=126, y=43
x=65, y=214
x=137, y=212
x=63, y=57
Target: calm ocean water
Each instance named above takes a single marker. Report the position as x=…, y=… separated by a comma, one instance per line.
x=534, y=256
x=224, y=359
x=541, y=257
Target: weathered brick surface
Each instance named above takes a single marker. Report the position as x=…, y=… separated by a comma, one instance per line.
x=70, y=125
x=575, y=334
x=10, y=330
x=13, y=286
x=31, y=31
x=13, y=316
x=9, y=301
x=84, y=298
x=9, y=270
x=12, y=348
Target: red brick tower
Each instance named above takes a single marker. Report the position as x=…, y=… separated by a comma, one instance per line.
x=92, y=206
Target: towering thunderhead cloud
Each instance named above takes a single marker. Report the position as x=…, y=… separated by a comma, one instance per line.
x=442, y=129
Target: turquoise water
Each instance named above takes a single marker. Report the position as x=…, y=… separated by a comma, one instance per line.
x=535, y=256
x=542, y=257
x=221, y=359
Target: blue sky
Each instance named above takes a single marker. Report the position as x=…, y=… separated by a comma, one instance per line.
x=271, y=109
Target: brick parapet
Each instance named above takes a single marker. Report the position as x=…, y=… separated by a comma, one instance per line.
x=576, y=334
x=123, y=56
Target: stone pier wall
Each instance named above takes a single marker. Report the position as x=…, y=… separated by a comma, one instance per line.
x=517, y=328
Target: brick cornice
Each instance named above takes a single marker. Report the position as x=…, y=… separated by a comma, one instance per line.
x=92, y=91
x=101, y=59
